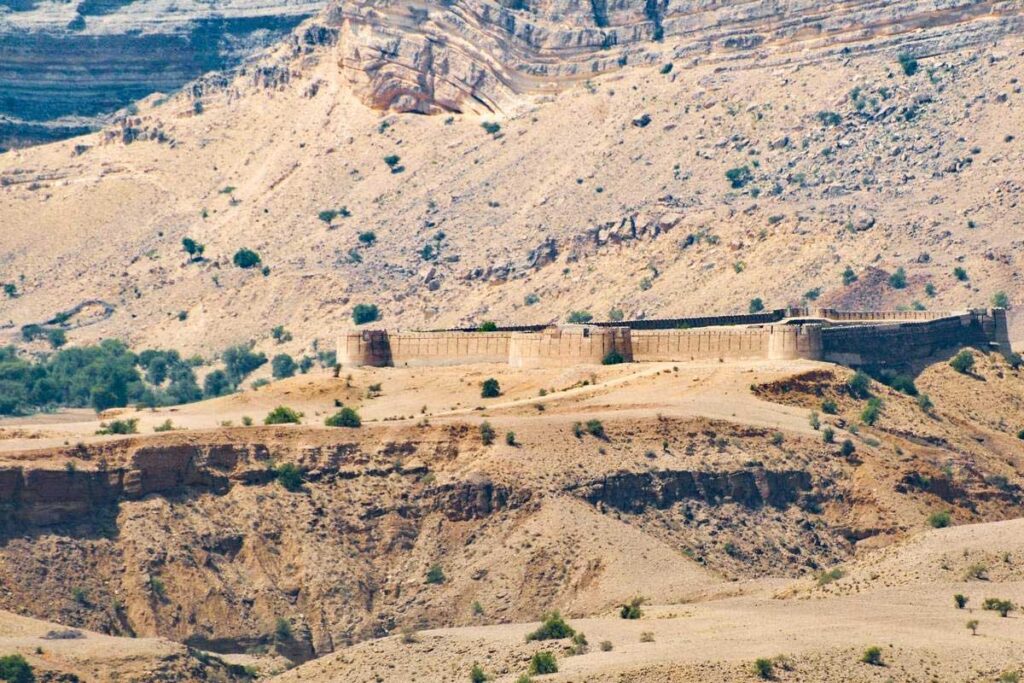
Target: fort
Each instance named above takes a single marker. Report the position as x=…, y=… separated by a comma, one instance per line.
x=853, y=338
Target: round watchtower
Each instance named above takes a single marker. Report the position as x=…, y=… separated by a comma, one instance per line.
x=364, y=347
x=790, y=342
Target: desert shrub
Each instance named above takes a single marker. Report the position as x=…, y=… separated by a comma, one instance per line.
x=579, y=646
x=756, y=305
x=16, y=669
x=1000, y=300
x=165, y=426
x=543, y=663
x=904, y=384
x=814, y=420
x=491, y=127
x=963, y=362
x=828, y=435
x=10, y=290
x=1004, y=607
x=871, y=412
x=282, y=366
x=616, y=315
x=392, y=160
x=127, y=426
x=872, y=656
x=280, y=334
x=829, y=407
x=777, y=438
x=193, y=249
x=1020, y=434
x=289, y=476
x=606, y=646
x=552, y=627
x=367, y=238
x=247, y=421
x=972, y=624
x=924, y=402
x=631, y=610
x=898, y=280
x=859, y=386
x=908, y=63
x=246, y=258
x=827, y=577
x=510, y=438
x=327, y=215
x=490, y=388
x=282, y=629
x=283, y=415
x=477, y=675
x=346, y=417
x=365, y=313
x=531, y=299
x=647, y=637
x=849, y=277
x=613, y=357
x=488, y=326
x=764, y=668
x=435, y=574
x=57, y=337
x=1006, y=676
x=847, y=448
x=665, y=68
x=739, y=176
x=596, y=429
x=524, y=678
x=939, y=520
x=960, y=600
x=960, y=274
x=577, y=429
x=486, y=433
x=579, y=317
x=977, y=571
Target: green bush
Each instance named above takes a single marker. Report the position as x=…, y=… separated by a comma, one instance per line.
x=631, y=610
x=898, y=280
x=491, y=127
x=346, y=417
x=553, y=627
x=872, y=656
x=849, y=277
x=283, y=366
x=246, y=258
x=543, y=663
x=435, y=574
x=871, y=412
x=756, y=305
x=289, y=476
x=240, y=362
x=859, y=386
x=1000, y=300
x=828, y=435
x=613, y=357
x=10, y=290
x=579, y=317
x=739, y=176
x=596, y=429
x=510, y=438
x=908, y=63
x=847, y=448
x=477, y=675
x=960, y=600
x=490, y=388
x=764, y=668
x=282, y=629
x=1004, y=607
x=924, y=402
x=216, y=384
x=963, y=362
x=829, y=407
x=904, y=384
x=960, y=274
x=1020, y=434
x=488, y=326
x=367, y=238
x=16, y=669
x=282, y=415
x=939, y=520
x=486, y=433
x=127, y=426
x=365, y=313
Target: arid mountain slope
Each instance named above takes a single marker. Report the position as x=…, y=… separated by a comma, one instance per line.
x=611, y=194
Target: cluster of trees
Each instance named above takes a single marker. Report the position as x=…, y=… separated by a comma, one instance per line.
x=109, y=375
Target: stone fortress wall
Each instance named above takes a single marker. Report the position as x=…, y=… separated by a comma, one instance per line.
x=846, y=337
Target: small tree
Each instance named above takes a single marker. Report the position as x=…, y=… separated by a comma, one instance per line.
x=246, y=258
x=815, y=421
x=963, y=362
x=553, y=627
x=193, y=249
x=924, y=402
x=368, y=238
x=1004, y=607
x=898, y=280
x=849, y=277
x=365, y=313
x=346, y=417
x=282, y=366
x=859, y=386
x=510, y=438
x=871, y=412
x=756, y=305
x=613, y=357
x=283, y=415
x=486, y=433
x=10, y=290
x=16, y=669
x=490, y=388
x=960, y=274
x=972, y=624
x=872, y=656
x=960, y=600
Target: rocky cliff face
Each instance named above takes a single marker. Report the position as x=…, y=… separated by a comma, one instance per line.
x=474, y=55
x=63, y=67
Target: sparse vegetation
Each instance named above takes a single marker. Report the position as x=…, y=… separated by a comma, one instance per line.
x=739, y=177
x=246, y=259
x=596, y=429
x=477, y=675
x=1004, y=607
x=908, y=63
x=960, y=274
x=972, y=624
x=898, y=280
x=613, y=357
x=282, y=629
x=606, y=646
x=1000, y=300
x=631, y=610
x=960, y=600
x=872, y=411
x=764, y=668
x=282, y=366
x=814, y=421
x=828, y=435
x=126, y=426
x=435, y=574
x=579, y=317
x=847, y=449
x=828, y=576
x=289, y=476
x=647, y=636
x=829, y=407
x=756, y=305
x=849, y=277
x=486, y=433
x=16, y=669
x=859, y=386
x=939, y=520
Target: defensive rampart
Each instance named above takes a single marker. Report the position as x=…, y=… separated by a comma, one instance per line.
x=847, y=337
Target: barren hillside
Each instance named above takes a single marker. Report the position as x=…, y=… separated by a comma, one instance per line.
x=611, y=192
